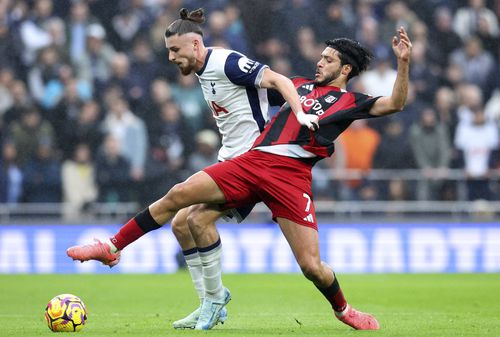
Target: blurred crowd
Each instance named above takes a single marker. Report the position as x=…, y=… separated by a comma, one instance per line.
x=90, y=109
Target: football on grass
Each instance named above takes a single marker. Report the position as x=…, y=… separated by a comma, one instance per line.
x=66, y=313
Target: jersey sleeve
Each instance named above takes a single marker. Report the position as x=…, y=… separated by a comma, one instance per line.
x=243, y=71
x=363, y=105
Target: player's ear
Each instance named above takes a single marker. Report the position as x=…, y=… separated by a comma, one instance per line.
x=196, y=44
x=346, y=69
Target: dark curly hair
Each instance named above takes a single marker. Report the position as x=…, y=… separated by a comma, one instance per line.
x=353, y=53
x=188, y=23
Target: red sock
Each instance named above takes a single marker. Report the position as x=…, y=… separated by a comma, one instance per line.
x=127, y=234
x=334, y=295
x=136, y=227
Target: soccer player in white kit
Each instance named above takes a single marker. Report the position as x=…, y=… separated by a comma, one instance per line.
x=235, y=89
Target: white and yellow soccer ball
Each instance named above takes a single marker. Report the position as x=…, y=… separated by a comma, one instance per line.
x=66, y=313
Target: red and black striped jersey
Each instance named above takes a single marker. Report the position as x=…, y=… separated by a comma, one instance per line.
x=336, y=108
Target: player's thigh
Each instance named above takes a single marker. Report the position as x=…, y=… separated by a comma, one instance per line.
x=204, y=214
x=303, y=241
x=199, y=188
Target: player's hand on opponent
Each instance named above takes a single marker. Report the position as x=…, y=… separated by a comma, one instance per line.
x=309, y=120
x=401, y=45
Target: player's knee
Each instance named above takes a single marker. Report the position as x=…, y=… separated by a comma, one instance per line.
x=180, y=228
x=176, y=198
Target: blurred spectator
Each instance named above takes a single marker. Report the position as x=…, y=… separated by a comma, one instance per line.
x=143, y=69
x=83, y=128
x=422, y=75
x=33, y=31
x=171, y=137
x=76, y=26
x=368, y=33
x=333, y=24
x=78, y=182
x=474, y=61
x=42, y=175
x=360, y=143
x=393, y=152
x=288, y=17
x=120, y=77
x=470, y=99
x=6, y=80
x=397, y=14
x=430, y=143
x=445, y=104
x=65, y=93
x=271, y=49
x=45, y=71
x=10, y=49
x=443, y=39
x=467, y=19
x=205, y=152
x=159, y=93
x=21, y=101
x=73, y=96
x=29, y=132
x=188, y=96
x=94, y=65
x=11, y=176
x=126, y=26
x=130, y=133
x=306, y=53
x=379, y=80
x=112, y=172
x=218, y=29
x=477, y=139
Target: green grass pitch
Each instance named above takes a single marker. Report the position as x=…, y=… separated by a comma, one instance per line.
x=263, y=305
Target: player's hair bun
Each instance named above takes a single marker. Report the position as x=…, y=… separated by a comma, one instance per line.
x=197, y=16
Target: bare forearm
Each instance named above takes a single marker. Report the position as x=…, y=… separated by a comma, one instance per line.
x=400, y=89
x=289, y=93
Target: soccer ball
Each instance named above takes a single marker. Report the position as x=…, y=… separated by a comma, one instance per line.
x=66, y=312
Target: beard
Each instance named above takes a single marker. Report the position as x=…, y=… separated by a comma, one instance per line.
x=328, y=78
x=189, y=68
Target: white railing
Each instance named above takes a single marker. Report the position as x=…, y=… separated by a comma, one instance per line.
x=455, y=210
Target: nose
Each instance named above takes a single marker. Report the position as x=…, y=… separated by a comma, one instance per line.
x=171, y=57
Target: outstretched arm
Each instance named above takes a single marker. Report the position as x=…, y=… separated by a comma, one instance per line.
x=389, y=104
x=273, y=80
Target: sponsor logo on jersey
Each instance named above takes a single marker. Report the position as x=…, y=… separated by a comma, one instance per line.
x=312, y=104
x=246, y=65
x=309, y=87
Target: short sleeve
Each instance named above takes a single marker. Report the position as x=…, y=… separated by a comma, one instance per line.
x=243, y=71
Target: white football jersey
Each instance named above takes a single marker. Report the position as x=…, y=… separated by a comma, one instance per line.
x=231, y=86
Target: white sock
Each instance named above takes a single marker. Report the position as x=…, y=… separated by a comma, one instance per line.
x=212, y=271
x=193, y=263
x=112, y=247
x=342, y=313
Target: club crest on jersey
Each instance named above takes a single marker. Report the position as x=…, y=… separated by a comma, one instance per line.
x=213, y=87
x=330, y=99
x=246, y=65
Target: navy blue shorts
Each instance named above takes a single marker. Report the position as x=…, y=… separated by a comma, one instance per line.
x=239, y=214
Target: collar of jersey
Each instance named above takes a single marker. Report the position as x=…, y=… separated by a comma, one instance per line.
x=204, y=64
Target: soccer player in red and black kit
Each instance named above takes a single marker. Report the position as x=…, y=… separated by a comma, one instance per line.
x=277, y=170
